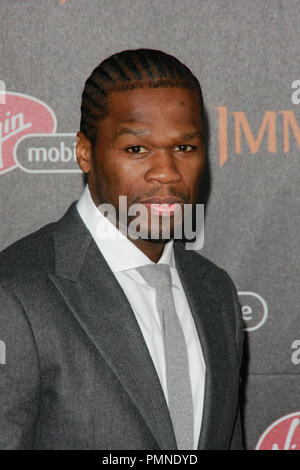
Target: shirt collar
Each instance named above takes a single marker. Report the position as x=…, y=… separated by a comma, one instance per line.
x=119, y=252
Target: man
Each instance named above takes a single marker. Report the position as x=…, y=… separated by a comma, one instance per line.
x=98, y=356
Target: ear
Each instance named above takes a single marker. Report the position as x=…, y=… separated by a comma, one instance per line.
x=84, y=152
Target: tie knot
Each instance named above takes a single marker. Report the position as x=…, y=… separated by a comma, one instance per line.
x=157, y=275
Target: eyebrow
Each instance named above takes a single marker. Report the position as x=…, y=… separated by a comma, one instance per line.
x=128, y=130
x=191, y=135
x=142, y=132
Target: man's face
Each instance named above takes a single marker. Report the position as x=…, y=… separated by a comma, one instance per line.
x=149, y=147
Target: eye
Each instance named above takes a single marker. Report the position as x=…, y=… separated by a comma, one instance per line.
x=136, y=149
x=184, y=148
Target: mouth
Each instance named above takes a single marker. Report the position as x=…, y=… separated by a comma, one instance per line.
x=163, y=209
x=163, y=206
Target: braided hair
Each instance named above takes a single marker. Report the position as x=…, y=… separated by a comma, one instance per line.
x=128, y=70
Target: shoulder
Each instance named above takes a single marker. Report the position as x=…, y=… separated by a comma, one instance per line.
x=33, y=253
x=202, y=266
x=25, y=253
x=219, y=278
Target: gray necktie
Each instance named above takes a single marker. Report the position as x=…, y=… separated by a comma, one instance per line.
x=176, y=357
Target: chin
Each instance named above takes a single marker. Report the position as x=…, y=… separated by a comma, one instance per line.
x=158, y=238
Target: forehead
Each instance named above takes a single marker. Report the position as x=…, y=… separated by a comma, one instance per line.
x=154, y=106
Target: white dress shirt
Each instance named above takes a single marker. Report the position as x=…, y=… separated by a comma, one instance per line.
x=123, y=257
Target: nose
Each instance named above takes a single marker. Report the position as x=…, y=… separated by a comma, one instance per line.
x=163, y=168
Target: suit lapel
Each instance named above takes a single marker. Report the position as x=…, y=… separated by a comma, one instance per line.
x=205, y=307
x=98, y=302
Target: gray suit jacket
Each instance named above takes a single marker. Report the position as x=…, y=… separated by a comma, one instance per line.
x=78, y=374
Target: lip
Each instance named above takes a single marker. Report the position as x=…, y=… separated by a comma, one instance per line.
x=163, y=206
x=162, y=200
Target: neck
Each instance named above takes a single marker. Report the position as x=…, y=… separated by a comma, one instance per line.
x=151, y=249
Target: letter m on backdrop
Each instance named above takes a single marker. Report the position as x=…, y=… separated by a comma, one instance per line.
x=268, y=122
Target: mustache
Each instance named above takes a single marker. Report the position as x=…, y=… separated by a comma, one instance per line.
x=157, y=192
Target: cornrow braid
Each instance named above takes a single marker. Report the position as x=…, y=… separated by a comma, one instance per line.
x=128, y=70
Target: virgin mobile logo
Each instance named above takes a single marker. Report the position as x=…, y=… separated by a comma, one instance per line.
x=21, y=115
x=234, y=127
x=28, y=139
x=283, y=434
